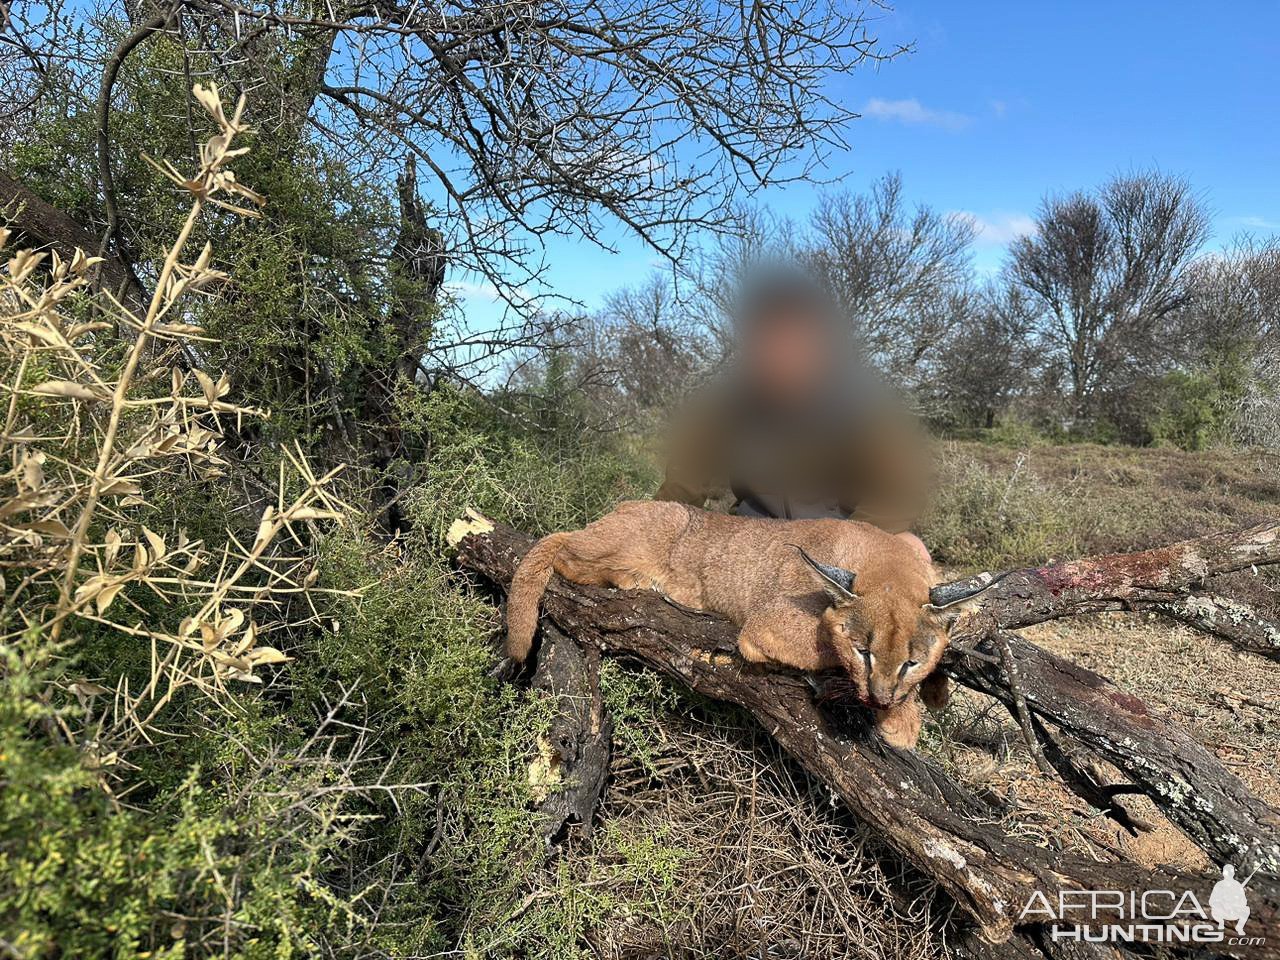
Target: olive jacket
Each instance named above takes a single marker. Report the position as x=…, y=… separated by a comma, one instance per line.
x=851, y=452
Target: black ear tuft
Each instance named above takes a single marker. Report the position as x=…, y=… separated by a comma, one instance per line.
x=955, y=600
x=949, y=594
x=837, y=581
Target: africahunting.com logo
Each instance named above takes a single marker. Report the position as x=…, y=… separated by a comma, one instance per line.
x=1148, y=916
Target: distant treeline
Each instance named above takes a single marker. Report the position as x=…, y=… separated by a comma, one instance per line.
x=1108, y=321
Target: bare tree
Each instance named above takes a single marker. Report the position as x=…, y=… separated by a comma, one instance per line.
x=1232, y=330
x=640, y=353
x=1236, y=300
x=534, y=119
x=526, y=120
x=987, y=361
x=1105, y=270
x=901, y=275
x=657, y=348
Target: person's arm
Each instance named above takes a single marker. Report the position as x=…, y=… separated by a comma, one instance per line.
x=890, y=473
x=692, y=474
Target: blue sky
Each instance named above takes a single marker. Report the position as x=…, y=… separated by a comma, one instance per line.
x=1002, y=102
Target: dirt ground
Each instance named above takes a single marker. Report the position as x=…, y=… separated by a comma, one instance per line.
x=1235, y=713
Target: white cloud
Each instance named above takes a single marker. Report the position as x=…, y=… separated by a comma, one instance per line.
x=482, y=290
x=999, y=229
x=914, y=113
x=1256, y=223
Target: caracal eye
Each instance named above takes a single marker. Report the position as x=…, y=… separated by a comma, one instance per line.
x=909, y=665
x=869, y=658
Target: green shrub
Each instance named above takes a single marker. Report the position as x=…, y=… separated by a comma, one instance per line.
x=336, y=771
x=1016, y=432
x=1190, y=410
x=168, y=869
x=985, y=518
x=485, y=454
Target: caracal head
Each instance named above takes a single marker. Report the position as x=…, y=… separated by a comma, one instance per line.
x=886, y=629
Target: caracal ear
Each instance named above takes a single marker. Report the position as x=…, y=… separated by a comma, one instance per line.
x=951, y=601
x=837, y=581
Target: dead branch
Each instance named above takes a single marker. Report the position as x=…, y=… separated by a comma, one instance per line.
x=1185, y=780
x=1233, y=621
x=1190, y=785
x=106, y=179
x=950, y=834
x=1019, y=703
x=1147, y=580
x=579, y=744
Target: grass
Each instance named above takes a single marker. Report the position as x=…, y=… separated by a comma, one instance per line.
x=998, y=506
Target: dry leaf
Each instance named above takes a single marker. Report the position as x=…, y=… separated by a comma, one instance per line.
x=268, y=655
x=119, y=487
x=112, y=543
x=33, y=471
x=65, y=388
x=156, y=542
x=48, y=528
x=313, y=513
x=106, y=595
x=207, y=386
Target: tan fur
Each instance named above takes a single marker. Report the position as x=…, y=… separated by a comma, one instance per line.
x=750, y=571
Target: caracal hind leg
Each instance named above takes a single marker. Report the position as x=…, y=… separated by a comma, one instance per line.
x=785, y=636
x=900, y=725
x=596, y=557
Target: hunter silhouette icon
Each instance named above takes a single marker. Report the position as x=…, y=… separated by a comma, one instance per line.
x=1227, y=902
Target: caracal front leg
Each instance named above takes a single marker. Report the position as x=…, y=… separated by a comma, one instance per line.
x=935, y=690
x=900, y=725
x=786, y=636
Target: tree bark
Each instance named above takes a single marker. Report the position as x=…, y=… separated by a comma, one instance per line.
x=1233, y=621
x=417, y=271
x=950, y=834
x=43, y=224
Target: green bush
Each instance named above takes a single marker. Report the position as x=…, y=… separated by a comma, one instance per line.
x=533, y=475
x=1191, y=411
x=163, y=869
x=1016, y=432
x=368, y=797
x=398, y=825
x=983, y=518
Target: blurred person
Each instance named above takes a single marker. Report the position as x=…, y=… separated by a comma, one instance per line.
x=798, y=427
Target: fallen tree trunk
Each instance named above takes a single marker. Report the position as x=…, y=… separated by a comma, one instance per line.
x=943, y=830
x=1190, y=785
x=574, y=758
x=1159, y=579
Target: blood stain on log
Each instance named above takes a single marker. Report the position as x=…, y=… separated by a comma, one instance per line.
x=1148, y=567
x=1134, y=706
x=1106, y=574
